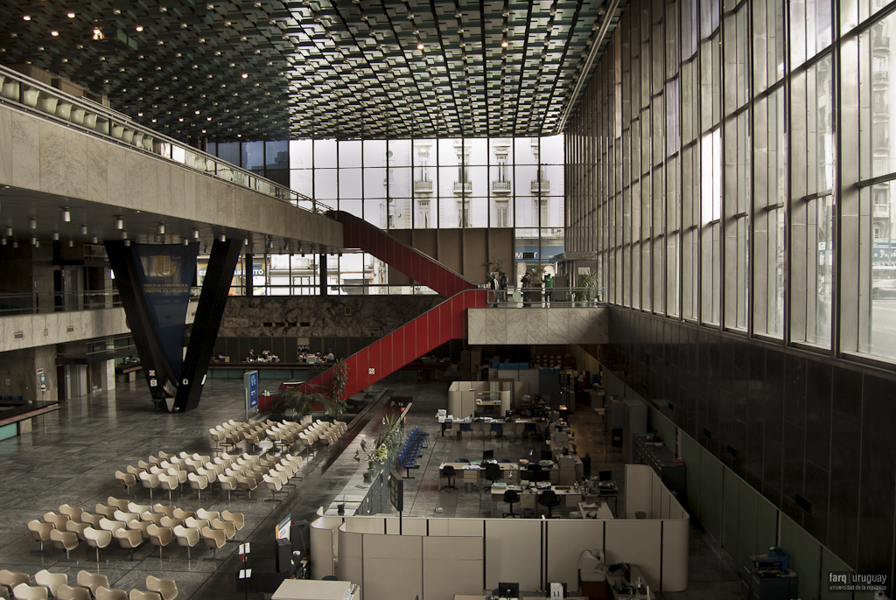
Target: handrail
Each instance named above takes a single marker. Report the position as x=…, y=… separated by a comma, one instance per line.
x=33, y=96
x=50, y=302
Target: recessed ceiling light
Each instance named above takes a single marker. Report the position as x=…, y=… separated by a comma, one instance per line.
x=244, y=75
x=139, y=28
x=70, y=15
x=27, y=17
x=54, y=33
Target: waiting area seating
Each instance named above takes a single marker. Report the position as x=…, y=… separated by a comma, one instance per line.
x=45, y=584
x=410, y=450
x=133, y=524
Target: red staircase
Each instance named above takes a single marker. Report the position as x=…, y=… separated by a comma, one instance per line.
x=358, y=233
x=443, y=323
x=447, y=321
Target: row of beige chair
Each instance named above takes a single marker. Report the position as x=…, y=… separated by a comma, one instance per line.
x=89, y=585
x=250, y=474
x=176, y=465
x=233, y=433
x=131, y=527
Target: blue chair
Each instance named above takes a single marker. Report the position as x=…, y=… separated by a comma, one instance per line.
x=466, y=428
x=497, y=429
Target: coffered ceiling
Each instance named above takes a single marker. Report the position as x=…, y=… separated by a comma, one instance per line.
x=275, y=69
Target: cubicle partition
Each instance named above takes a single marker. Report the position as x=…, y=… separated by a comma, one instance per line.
x=436, y=558
x=462, y=397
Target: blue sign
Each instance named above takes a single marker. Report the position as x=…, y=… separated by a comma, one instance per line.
x=165, y=273
x=250, y=381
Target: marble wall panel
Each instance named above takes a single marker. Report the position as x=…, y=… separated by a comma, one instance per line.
x=76, y=163
x=134, y=165
x=537, y=328
x=97, y=169
x=150, y=178
x=52, y=158
x=558, y=325
x=476, y=319
x=6, y=146
x=517, y=326
x=26, y=158
x=117, y=182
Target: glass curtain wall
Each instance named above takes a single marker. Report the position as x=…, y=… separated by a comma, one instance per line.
x=733, y=164
x=410, y=184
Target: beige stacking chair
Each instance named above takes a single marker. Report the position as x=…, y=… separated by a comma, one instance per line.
x=126, y=480
x=58, y=521
x=40, y=531
x=23, y=591
x=168, y=482
x=110, y=525
x=77, y=528
x=198, y=483
x=227, y=527
x=131, y=539
x=105, y=511
x=153, y=517
x=98, y=538
x=140, y=526
x=182, y=514
x=166, y=587
x=187, y=537
x=143, y=595
x=92, y=581
x=159, y=536
x=10, y=579
x=67, y=592
x=51, y=581
x=197, y=523
x=208, y=515
x=72, y=512
x=167, y=509
x=150, y=481
x=238, y=519
x=133, y=507
x=105, y=593
x=214, y=539
x=170, y=522
x=119, y=503
x=65, y=540
x=228, y=483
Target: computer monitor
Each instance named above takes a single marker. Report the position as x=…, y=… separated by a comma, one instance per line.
x=477, y=414
x=605, y=475
x=508, y=414
x=508, y=590
x=547, y=455
x=488, y=455
x=543, y=475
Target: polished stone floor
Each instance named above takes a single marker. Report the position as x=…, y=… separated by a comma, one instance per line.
x=70, y=457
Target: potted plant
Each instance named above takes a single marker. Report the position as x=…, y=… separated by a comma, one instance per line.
x=335, y=405
x=296, y=403
x=586, y=283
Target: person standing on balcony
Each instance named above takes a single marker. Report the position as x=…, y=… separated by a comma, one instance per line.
x=548, y=289
x=503, y=282
x=526, y=283
x=495, y=286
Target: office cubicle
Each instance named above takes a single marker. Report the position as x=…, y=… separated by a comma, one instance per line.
x=435, y=558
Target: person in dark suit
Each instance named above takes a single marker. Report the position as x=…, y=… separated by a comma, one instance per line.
x=526, y=284
x=495, y=286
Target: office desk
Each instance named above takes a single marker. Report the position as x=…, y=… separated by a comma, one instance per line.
x=618, y=585
x=595, y=510
x=570, y=495
x=510, y=472
x=308, y=589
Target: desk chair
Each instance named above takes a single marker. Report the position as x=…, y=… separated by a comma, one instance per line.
x=511, y=497
x=492, y=472
x=466, y=428
x=549, y=499
x=497, y=429
x=449, y=473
